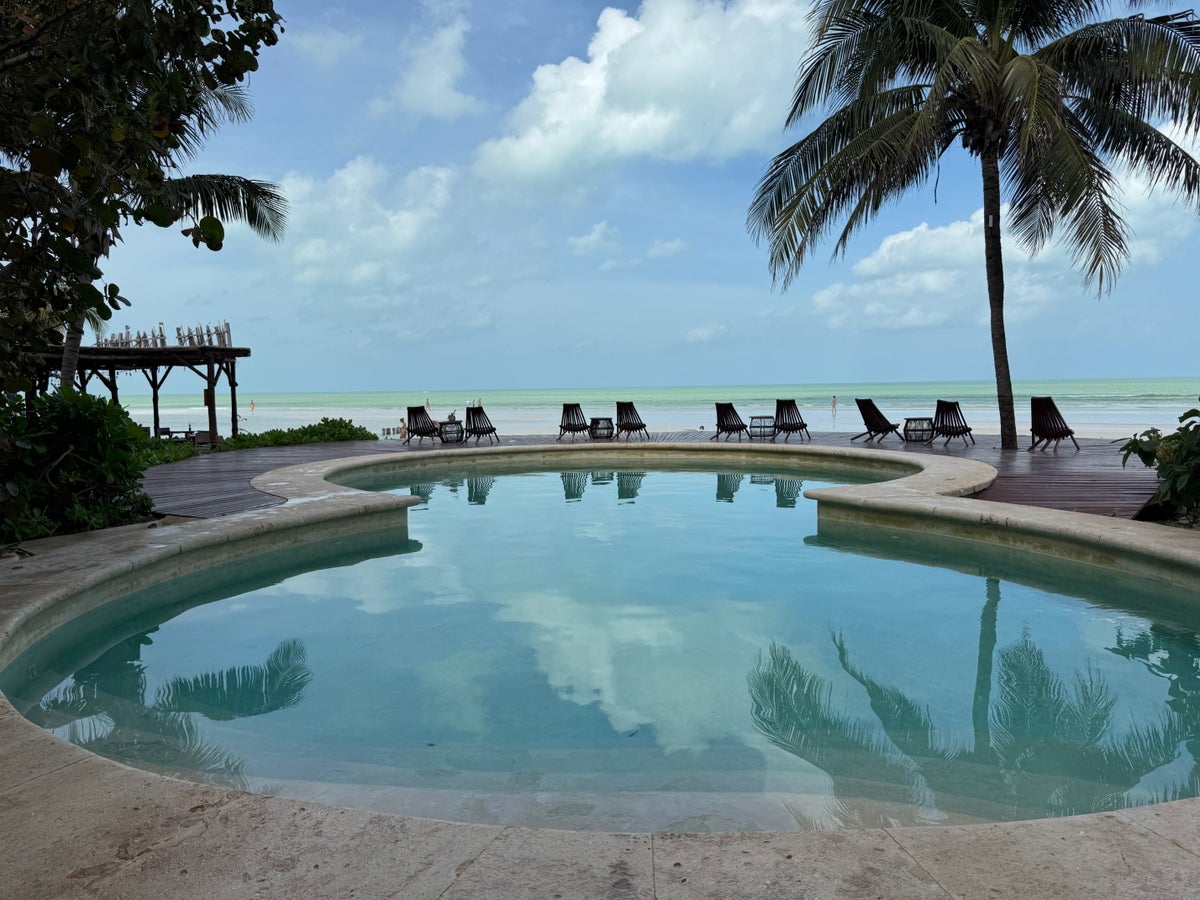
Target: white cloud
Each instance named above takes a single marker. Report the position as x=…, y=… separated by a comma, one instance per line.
x=685, y=79
x=702, y=334
x=342, y=228
x=434, y=65
x=602, y=237
x=326, y=48
x=1158, y=220
x=657, y=250
x=664, y=249
x=932, y=276
x=928, y=277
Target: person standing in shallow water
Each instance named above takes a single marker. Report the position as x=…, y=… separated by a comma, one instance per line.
x=833, y=406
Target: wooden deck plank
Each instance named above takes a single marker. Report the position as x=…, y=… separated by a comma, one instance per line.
x=1090, y=479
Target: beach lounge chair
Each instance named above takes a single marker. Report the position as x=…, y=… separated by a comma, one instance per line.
x=574, y=484
x=786, y=492
x=629, y=421
x=423, y=489
x=573, y=422
x=948, y=422
x=727, y=485
x=1048, y=424
x=788, y=420
x=877, y=425
x=628, y=484
x=728, y=422
x=420, y=425
x=479, y=425
x=478, y=487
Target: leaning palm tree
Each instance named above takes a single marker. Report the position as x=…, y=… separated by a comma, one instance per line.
x=259, y=204
x=1043, y=95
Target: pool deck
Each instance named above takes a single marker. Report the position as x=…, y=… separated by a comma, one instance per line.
x=76, y=825
x=1090, y=479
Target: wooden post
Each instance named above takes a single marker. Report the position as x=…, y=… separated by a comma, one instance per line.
x=156, y=384
x=210, y=400
x=231, y=377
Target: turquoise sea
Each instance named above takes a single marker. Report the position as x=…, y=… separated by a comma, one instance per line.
x=1113, y=408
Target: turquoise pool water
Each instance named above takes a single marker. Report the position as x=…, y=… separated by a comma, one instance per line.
x=637, y=650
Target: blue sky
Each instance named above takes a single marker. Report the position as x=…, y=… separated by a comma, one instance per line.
x=552, y=193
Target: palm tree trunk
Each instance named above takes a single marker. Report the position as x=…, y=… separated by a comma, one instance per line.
x=994, y=260
x=70, y=356
x=981, y=705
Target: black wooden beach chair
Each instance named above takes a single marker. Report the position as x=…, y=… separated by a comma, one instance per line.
x=573, y=422
x=479, y=425
x=877, y=425
x=948, y=422
x=420, y=425
x=1048, y=424
x=788, y=420
x=629, y=421
x=728, y=422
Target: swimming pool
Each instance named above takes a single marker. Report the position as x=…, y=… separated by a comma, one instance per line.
x=739, y=674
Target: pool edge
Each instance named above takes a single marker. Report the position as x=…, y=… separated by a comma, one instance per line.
x=78, y=824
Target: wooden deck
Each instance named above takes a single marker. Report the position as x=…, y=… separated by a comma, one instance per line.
x=1090, y=479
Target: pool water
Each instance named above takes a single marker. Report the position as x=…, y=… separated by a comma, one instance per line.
x=633, y=651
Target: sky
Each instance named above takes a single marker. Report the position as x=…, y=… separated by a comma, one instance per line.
x=553, y=193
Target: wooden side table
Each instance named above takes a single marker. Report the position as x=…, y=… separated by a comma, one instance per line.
x=451, y=432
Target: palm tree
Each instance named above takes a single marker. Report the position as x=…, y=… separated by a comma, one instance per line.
x=104, y=709
x=1051, y=749
x=1044, y=96
x=260, y=204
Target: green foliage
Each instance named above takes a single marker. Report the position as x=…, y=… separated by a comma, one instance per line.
x=68, y=462
x=1176, y=456
x=324, y=431
x=159, y=451
x=102, y=100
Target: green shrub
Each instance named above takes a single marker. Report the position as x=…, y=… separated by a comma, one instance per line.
x=160, y=450
x=69, y=462
x=1176, y=456
x=324, y=431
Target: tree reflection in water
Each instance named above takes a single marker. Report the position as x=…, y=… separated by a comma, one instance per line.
x=1042, y=747
x=105, y=710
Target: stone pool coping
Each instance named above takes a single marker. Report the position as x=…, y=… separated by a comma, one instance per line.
x=74, y=824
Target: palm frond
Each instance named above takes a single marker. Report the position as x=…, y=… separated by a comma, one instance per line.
x=860, y=157
x=226, y=104
x=1144, y=67
x=907, y=724
x=791, y=707
x=260, y=204
x=242, y=691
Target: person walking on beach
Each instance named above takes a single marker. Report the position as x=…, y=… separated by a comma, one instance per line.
x=833, y=406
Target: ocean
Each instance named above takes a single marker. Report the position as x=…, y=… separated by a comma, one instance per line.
x=1111, y=408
